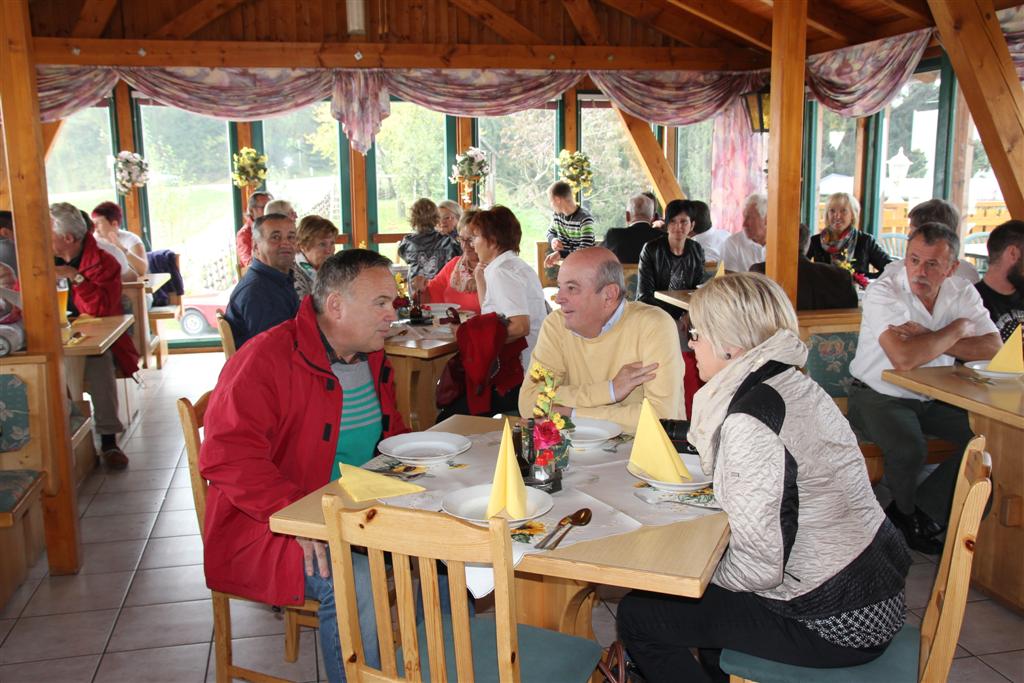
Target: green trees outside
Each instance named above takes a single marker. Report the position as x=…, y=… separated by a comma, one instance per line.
x=618, y=173
x=693, y=150
x=79, y=168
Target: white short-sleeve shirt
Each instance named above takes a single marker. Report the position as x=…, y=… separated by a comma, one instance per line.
x=890, y=301
x=740, y=252
x=713, y=241
x=513, y=288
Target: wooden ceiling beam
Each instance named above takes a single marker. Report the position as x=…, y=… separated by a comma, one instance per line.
x=911, y=9
x=93, y=18
x=200, y=14
x=836, y=23
x=731, y=19
x=656, y=166
x=671, y=21
x=107, y=52
x=502, y=23
x=581, y=12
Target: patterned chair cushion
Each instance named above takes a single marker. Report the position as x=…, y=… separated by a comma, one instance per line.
x=828, y=361
x=13, y=486
x=14, y=431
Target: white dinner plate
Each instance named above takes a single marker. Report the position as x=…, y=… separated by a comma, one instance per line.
x=981, y=367
x=470, y=504
x=590, y=433
x=441, y=307
x=424, y=447
x=692, y=462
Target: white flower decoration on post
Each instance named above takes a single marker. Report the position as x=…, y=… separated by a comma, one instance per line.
x=470, y=168
x=130, y=171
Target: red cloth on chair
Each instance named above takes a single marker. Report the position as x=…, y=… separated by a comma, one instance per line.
x=691, y=380
x=481, y=342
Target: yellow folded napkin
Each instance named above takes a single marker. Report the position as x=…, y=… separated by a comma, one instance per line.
x=720, y=270
x=653, y=451
x=1011, y=357
x=508, y=491
x=362, y=484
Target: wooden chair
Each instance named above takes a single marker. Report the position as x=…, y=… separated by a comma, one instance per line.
x=172, y=311
x=191, y=422
x=894, y=243
x=915, y=654
x=464, y=648
x=227, y=336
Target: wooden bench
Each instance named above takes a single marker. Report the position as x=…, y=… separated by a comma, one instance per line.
x=21, y=527
x=831, y=337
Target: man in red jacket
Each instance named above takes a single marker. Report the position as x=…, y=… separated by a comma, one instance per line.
x=293, y=403
x=94, y=277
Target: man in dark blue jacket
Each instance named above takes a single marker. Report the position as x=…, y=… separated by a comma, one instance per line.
x=265, y=296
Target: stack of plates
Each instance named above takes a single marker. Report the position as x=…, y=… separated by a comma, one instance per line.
x=691, y=460
x=424, y=448
x=589, y=433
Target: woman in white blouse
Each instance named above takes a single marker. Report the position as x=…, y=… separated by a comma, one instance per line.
x=505, y=283
x=106, y=218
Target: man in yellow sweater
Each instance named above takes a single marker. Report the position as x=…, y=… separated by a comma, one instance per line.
x=607, y=354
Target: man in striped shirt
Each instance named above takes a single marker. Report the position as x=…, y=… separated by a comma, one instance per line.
x=572, y=226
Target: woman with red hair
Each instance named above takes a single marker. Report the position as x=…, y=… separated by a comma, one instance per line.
x=107, y=218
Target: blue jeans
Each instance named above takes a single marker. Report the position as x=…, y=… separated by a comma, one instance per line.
x=330, y=643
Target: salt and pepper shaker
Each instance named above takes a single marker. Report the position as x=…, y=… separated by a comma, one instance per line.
x=517, y=445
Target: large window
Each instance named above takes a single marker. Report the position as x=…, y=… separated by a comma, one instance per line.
x=618, y=173
x=521, y=149
x=693, y=159
x=410, y=163
x=836, y=159
x=976, y=192
x=303, y=161
x=79, y=168
x=190, y=206
x=908, y=161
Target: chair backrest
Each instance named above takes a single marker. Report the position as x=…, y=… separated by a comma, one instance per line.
x=631, y=274
x=191, y=416
x=831, y=337
x=894, y=243
x=227, y=336
x=423, y=537
x=940, y=628
x=548, y=276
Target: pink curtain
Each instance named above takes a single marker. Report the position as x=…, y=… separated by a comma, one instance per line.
x=676, y=98
x=737, y=166
x=360, y=101
x=862, y=79
x=63, y=90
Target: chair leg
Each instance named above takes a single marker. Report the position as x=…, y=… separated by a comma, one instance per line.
x=222, y=636
x=291, y=635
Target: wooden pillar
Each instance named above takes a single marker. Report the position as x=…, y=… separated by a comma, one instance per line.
x=976, y=47
x=858, y=161
x=963, y=158
x=570, y=118
x=50, y=132
x=645, y=144
x=5, y=192
x=126, y=141
x=789, y=49
x=463, y=134
x=359, y=199
x=19, y=102
x=243, y=138
x=670, y=146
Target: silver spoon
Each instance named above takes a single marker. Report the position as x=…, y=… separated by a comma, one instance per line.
x=581, y=517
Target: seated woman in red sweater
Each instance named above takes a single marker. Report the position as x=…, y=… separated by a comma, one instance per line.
x=454, y=283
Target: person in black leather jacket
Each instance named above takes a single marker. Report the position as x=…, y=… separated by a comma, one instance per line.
x=673, y=261
x=840, y=240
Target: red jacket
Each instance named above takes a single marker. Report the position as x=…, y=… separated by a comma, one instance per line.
x=100, y=295
x=271, y=432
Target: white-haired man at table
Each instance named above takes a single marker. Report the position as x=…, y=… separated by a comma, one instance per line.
x=919, y=317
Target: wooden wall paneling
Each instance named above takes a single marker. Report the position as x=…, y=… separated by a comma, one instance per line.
x=581, y=12
x=789, y=51
x=730, y=19
x=249, y=22
x=359, y=199
x=981, y=59
x=283, y=25
x=329, y=13
x=502, y=23
x=263, y=31
x=912, y=9
x=196, y=16
x=303, y=26
x=236, y=24
x=668, y=20
x=656, y=166
x=93, y=18
x=373, y=24
x=126, y=141
x=19, y=103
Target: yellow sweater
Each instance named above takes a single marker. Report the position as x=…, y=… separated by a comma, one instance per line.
x=583, y=367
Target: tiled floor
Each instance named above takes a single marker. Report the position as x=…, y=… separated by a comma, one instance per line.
x=139, y=610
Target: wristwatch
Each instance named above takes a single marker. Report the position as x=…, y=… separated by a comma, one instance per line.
x=78, y=279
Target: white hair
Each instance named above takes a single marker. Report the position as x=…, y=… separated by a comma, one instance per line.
x=282, y=206
x=451, y=206
x=67, y=220
x=758, y=201
x=640, y=207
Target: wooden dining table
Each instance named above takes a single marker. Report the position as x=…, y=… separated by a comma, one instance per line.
x=137, y=293
x=995, y=408
x=90, y=337
x=676, y=297
x=555, y=588
x=418, y=364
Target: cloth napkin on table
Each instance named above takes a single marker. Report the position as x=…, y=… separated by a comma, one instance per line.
x=653, y=451
x=508, y=492
x=362, y=484
x=480, y=577
x=1010, y=358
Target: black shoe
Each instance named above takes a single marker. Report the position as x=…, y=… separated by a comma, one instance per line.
x=115, y=458
x=928, y=526
x=911, y=528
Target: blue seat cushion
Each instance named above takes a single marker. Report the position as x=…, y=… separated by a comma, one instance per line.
x=14, y=484
x=544, y=656
x=898, y=664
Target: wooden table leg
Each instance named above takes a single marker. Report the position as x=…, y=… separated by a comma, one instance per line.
x=558, y=604
x=404, y=379
x=429, y=372
x=998, y=567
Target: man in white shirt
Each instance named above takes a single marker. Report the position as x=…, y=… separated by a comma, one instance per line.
x=919, y=317
x=744, y=249
x=711, y=238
